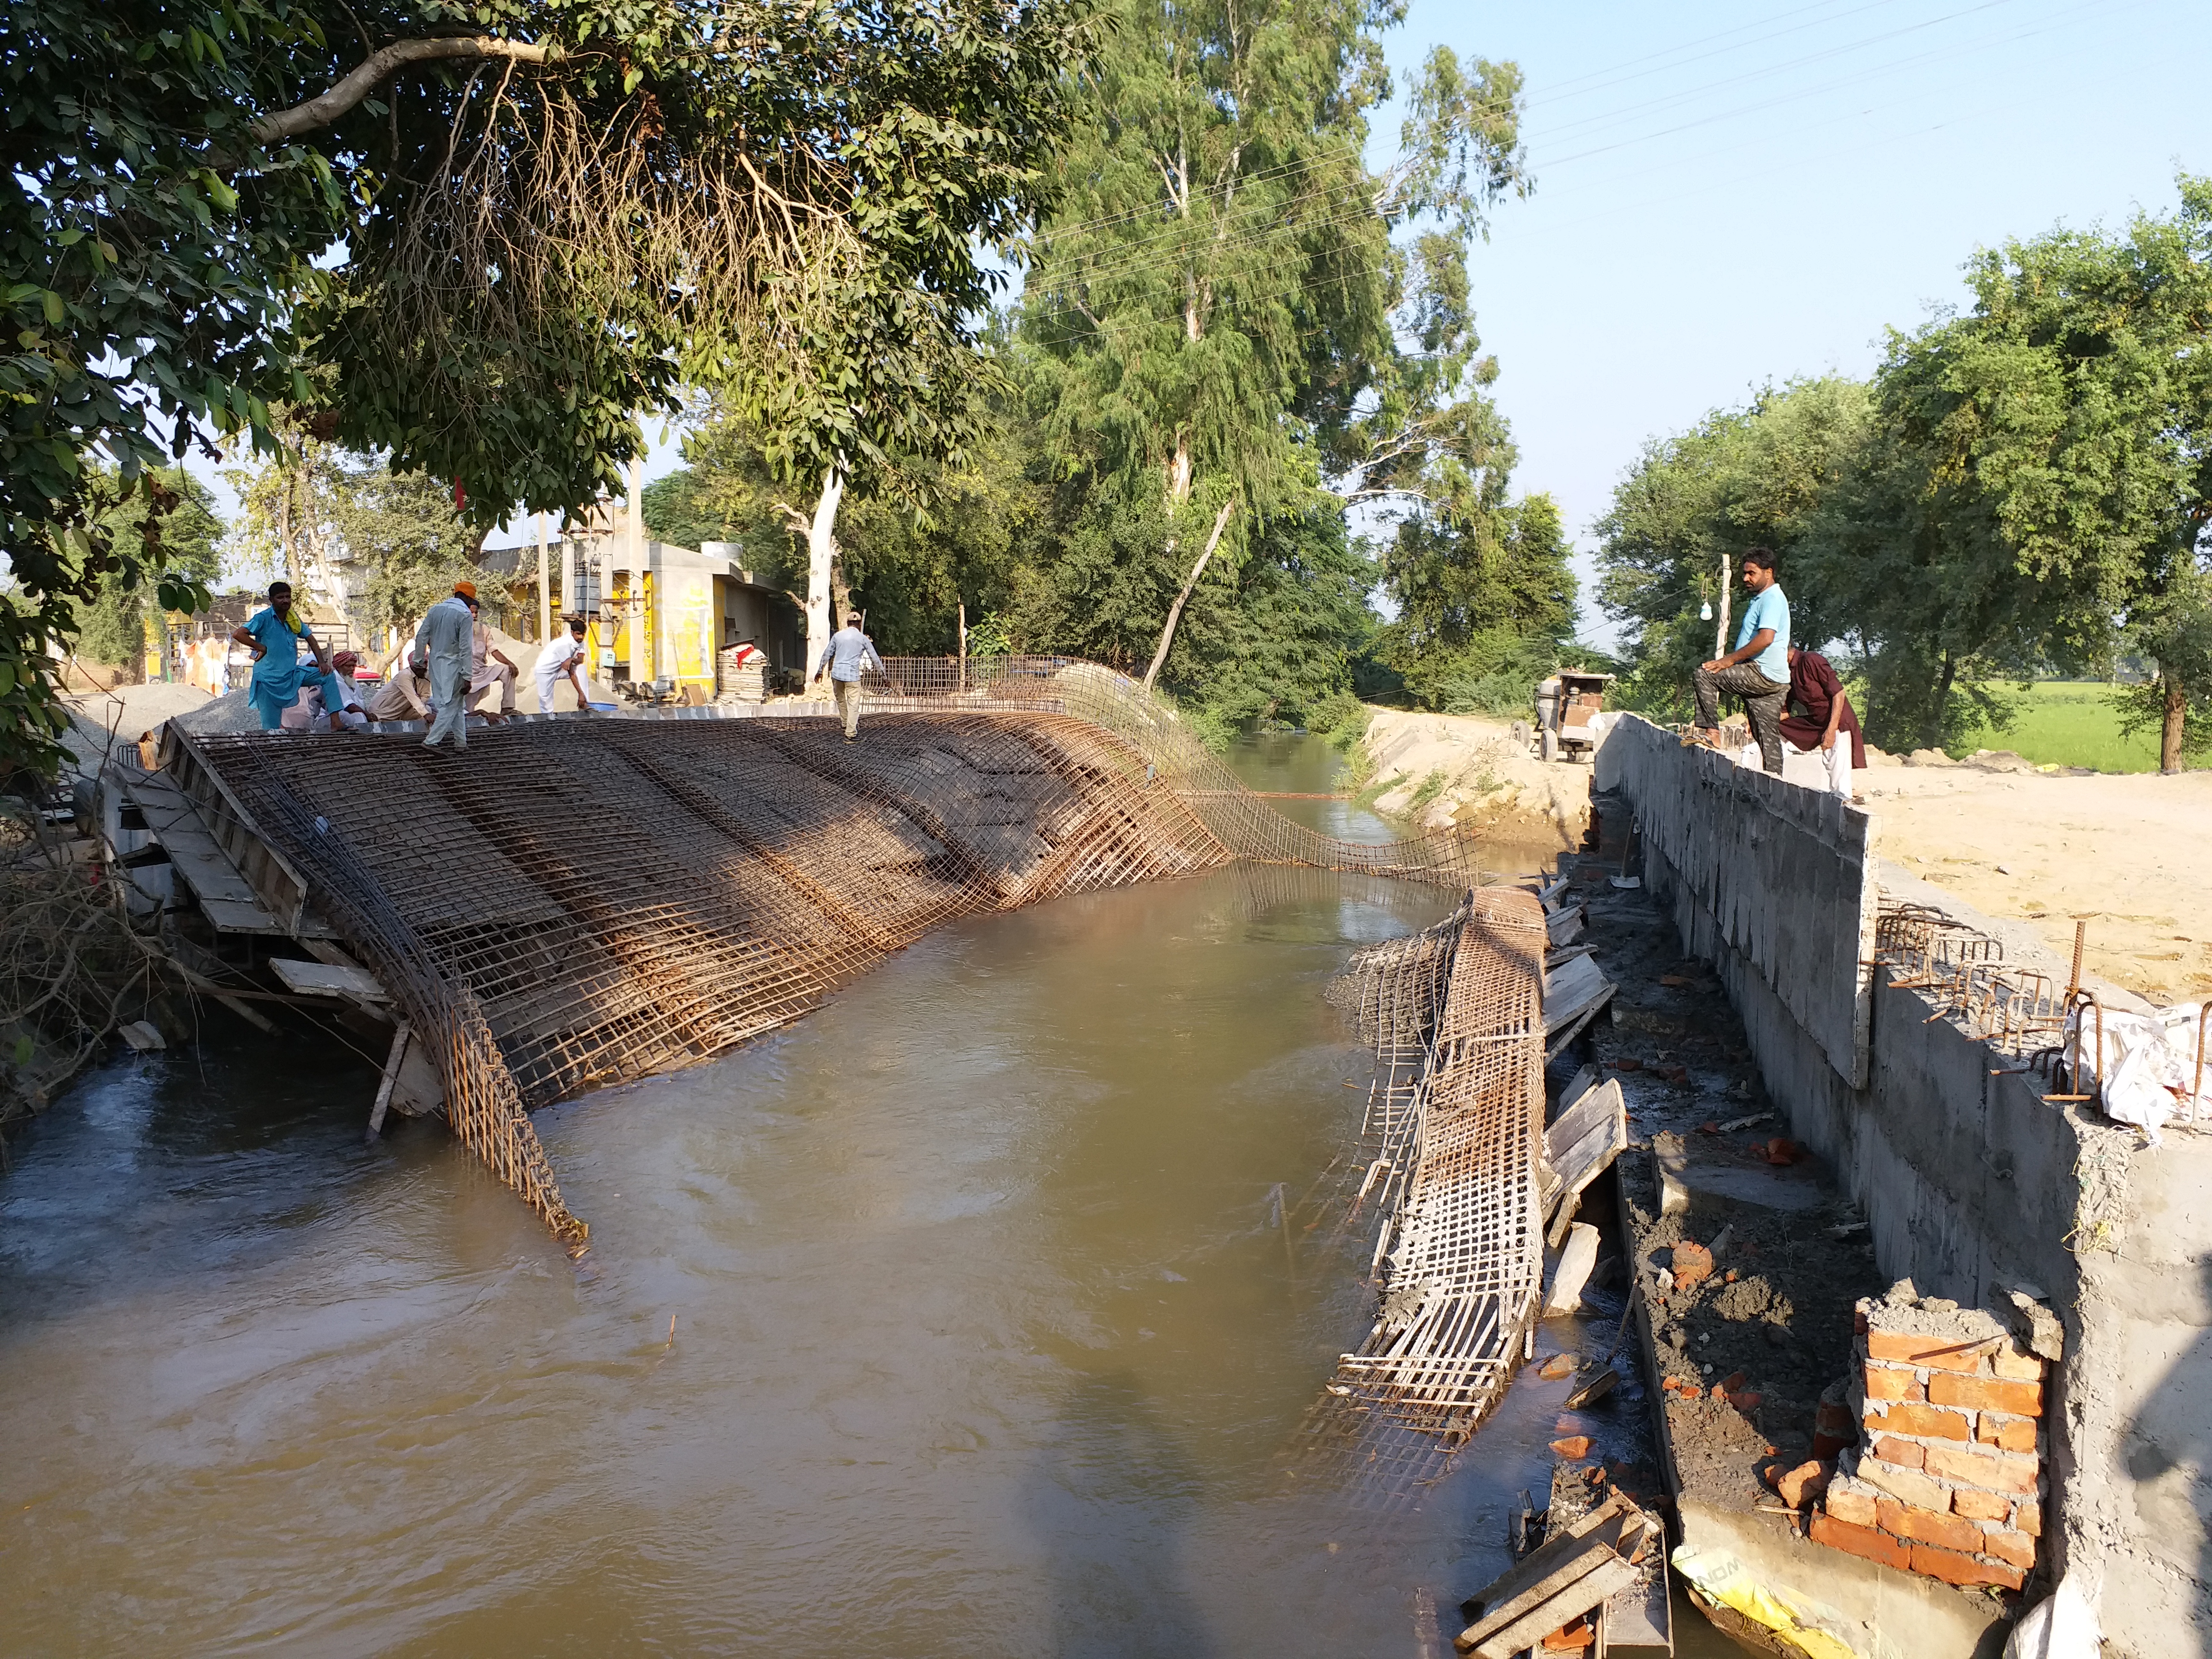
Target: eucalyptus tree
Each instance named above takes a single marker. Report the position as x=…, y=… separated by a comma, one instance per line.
x=508, y=227
x=1212, y=303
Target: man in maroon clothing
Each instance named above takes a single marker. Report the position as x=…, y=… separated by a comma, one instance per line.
x=1821, y=716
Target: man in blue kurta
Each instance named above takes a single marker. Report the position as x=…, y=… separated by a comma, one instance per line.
x=276, y=635
x=1758, y=670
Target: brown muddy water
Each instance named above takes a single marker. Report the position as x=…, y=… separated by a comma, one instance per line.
x=989, y=1335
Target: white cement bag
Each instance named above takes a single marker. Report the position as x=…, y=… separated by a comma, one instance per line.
x=2063, y=1625
x=2145, y=1066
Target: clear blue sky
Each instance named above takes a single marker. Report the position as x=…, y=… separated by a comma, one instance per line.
x=1730, y=194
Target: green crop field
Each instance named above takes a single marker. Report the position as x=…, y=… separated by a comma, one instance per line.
x=2068, y=723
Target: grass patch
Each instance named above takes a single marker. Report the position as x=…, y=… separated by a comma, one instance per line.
x=2068, y=723
x=1374, y=788
x=1429, y=789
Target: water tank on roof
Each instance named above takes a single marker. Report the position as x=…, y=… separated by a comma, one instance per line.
x=733, y=551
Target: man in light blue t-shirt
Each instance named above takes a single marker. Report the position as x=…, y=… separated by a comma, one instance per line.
x=1758, y=670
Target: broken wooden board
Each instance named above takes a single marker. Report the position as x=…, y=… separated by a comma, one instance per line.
x=1563, y=927
x=1568, y=1577
x=1573, y=996
x=323, y=979
x=1582, y=1145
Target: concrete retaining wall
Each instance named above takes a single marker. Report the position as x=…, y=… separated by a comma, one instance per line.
x=1971, y=1184
x=1779, y=875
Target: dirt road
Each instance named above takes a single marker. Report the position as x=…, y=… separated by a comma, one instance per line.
x=2132, y=853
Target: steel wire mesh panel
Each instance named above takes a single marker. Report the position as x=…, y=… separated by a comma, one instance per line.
x=574, y=902
x=1456, y=1132
x=1239, y=820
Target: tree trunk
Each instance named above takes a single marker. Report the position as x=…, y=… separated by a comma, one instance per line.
x=1934, y=738
x=821, y=553
x=2173, y=721
x=1174, y=613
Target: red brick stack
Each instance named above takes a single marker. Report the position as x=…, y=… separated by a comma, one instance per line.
x=1947, y=1477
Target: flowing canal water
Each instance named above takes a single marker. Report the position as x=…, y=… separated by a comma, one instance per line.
x=999, y=1288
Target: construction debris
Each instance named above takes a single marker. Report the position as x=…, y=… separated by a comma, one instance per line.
x=1457, y=1021
x=1570, y=1575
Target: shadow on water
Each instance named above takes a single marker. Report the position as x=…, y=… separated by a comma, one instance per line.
x=1118, y=1590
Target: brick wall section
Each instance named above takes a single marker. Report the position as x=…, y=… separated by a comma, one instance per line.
x=1946, y=1479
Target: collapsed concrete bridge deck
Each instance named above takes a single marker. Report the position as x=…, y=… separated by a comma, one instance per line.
x=573, y=903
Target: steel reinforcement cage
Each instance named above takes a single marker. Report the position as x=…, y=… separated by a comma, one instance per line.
x=577, y=901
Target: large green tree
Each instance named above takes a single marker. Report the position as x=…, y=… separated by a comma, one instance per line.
x=1681, y=520
x=1213, y=309
x=550, y=217
x=2047, y=462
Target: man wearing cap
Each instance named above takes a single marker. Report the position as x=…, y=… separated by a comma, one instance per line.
x=444, y=637
x=405, y=693
x=489, y=666
x=563, y=655
x=848, y=655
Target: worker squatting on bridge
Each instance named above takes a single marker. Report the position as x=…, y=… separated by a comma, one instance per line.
x=847, y=655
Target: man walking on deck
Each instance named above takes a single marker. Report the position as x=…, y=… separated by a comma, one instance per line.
x=444, y=637
x=1758, y=670
x=847, y=657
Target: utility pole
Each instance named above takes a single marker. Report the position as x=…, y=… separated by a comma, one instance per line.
x=544, y=584
x=640, y=653
x=1720, y=633
x=963, y=645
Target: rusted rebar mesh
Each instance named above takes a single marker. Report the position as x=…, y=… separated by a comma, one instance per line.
x=1455, y=1126
x=2017, y=1009
x=576, y=903
x=1240, y=821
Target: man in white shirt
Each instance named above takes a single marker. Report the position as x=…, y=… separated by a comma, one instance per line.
x=443, y=637
x=342, y=702
x=489, y=666
x=846, y=657
x=563, y=656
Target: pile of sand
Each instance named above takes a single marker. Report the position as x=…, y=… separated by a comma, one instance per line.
x=101, y=721
x=1475, y=773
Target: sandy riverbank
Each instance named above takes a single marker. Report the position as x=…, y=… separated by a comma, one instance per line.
x=1456, y=770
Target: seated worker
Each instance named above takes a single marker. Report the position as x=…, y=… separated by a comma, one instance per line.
x=305, y=713
x=563, y=655
x=1758, y=670
x=1828, y=716
x=489, y=666
x=342, y=704
x=405, y=693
